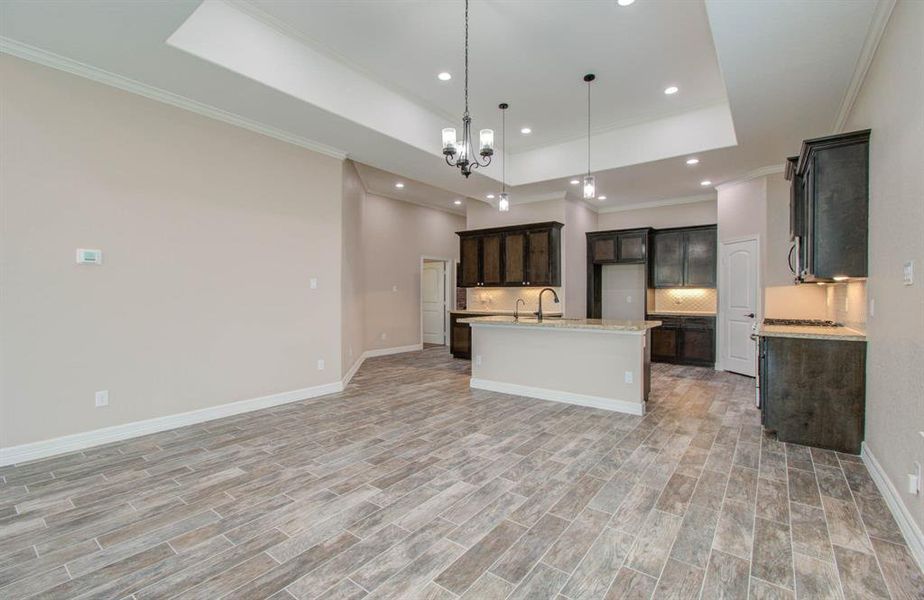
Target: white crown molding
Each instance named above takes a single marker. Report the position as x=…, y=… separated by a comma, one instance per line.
x=74, y=67
x=656, y=203
x=622, y=406
x=107, y=435
x=755, y=174
x=873, y=36
x=903, y=517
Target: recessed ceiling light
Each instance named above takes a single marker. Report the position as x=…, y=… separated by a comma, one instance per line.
x=526, y=131
x=575, y=182
x=705, y=182
x=625, y=2
x=601, y=197
x=490, y=196
x=399, y=185
x=444, y=76
x=692, y=161
x=457, y=202
x=670, y=90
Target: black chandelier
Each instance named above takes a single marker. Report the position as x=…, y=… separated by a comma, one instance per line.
x=462, y=153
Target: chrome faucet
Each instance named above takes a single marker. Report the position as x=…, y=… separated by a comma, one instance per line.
x=554, y=296
x=516, y=309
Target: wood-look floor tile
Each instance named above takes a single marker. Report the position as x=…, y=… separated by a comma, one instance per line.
x=488, y=587
x=816, y=579
x=742, y=485
x=694, y=540
x=844, y=525
x=902, y=575
x=631, y=585
x=810, y=532
x=654, y=543
x=803, y=488
x=526, y=552
x=735, y=530
x=859, y=574
x=542, y=582
x=878, y=518
x=726, y=577
x=632, y=513
x=475, y=561
x=594, y=574
x=676, y=494
x=762, y=590
x=679, y=580
x=574, y=542
x=771, y=559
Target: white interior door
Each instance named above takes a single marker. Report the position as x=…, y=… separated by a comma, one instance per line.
x=738, y=298
x=433, y=297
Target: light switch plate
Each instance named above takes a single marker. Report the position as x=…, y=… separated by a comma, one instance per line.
x=908, y=273
x=629, y=377
x=320, y=364
x=102, y=398
x=313, y=283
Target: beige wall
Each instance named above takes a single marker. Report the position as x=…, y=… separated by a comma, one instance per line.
x=890, y=103
x=579, y=219
x=352, y=272
x=395, y=235
x=679, y=215
x=209, y=235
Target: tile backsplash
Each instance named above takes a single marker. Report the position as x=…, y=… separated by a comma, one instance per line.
x=685, y=300
x=846, y=303
x=506, y=298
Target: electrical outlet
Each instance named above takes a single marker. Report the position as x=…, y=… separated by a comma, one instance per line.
x=872, y=307
x=102, y=398
x=394, y=288
x=629, y=377
x=914, y=480
x=320, y=364
x=313, y=283
x=628, y=299
x=477, y=359
x=382, y=336
x=908, y=273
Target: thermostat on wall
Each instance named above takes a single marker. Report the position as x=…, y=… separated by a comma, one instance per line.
x=89, y=257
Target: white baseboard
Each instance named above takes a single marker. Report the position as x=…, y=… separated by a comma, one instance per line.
x=395, y=350
x=349, y=374
x=907, y=524
x=623, y=406
x=106, y=435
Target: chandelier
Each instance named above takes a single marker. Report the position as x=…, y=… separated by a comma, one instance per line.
x=589, y=183
x=462, y=154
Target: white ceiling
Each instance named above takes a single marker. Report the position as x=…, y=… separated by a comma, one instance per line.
x=359, y=78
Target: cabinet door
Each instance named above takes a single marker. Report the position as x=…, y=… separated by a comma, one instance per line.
x=604, y=249
x=538, y=270
x=471, y=272
x=665, y=343
x=700, y=258
x=515, y=259
x=491, y=260
x=668, y=259
x=631, y=247
x=698, y=344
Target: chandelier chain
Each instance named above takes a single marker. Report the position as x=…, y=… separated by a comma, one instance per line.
x=503, y=156
x=466, y=57
x=588, y=127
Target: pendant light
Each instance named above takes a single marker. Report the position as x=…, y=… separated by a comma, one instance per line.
x=503, y=204
x=461, y=154
x=590, y=188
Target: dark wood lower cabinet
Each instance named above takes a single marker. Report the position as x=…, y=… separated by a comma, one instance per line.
x=460, y=337
x=813, y=392
x=684, y=340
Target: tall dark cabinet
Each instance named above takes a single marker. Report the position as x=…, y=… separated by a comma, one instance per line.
x=684, y=257
x=829, y=207
x=516, y=256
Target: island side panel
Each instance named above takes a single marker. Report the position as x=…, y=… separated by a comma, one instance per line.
x=576, y=366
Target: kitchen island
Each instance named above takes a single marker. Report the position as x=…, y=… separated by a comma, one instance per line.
x=592, y=362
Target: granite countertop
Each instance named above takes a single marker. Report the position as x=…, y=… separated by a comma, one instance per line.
x=680, y=313
x=464, y=311
x=812, y=333
x=635, y=327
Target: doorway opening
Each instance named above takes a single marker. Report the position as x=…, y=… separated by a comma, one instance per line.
x=435, y=290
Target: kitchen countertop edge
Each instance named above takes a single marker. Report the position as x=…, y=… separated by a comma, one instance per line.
x=629, y=327
x=845, y=334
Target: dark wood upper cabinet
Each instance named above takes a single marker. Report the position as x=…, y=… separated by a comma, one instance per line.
x=830, y=206
x=516, y=256
x=603, y=249
x=491, y=265
x=667, y=254
x=470, y=253
x=632, y=247
x=684, y=257
x=699, y=263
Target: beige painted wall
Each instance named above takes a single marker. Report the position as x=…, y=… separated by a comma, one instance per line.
x=579, y=219
x=395, y=235
x=209, y=235
x=889, y=103
x=352, y=273
x=679, y=215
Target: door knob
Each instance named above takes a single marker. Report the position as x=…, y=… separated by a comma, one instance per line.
x=750, y=315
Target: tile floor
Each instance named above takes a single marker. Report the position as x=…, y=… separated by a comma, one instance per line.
x=410, y=485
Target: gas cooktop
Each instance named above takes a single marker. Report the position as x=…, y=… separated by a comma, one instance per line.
x=802, y=322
